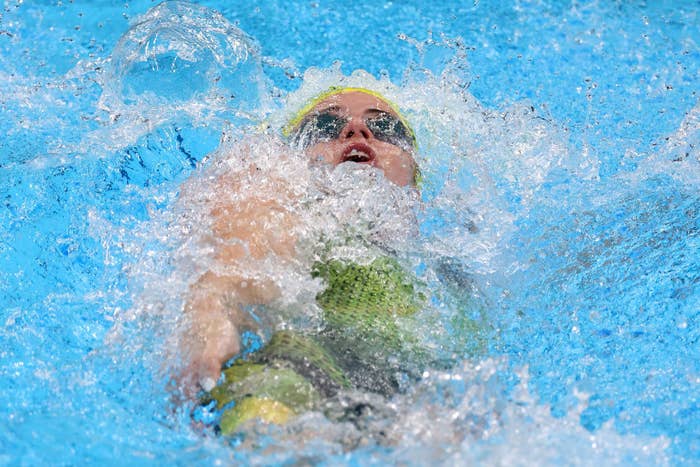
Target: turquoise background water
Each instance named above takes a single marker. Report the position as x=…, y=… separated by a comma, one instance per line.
x=607, y=304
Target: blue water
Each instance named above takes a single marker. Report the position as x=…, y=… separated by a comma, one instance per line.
x=593, y=286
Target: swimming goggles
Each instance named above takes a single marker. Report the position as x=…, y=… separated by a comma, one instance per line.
x=329, y=124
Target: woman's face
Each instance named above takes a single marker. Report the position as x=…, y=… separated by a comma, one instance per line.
x=360, y=128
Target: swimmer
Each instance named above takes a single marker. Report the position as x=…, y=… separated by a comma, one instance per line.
x=341, y=125
x=361, y=345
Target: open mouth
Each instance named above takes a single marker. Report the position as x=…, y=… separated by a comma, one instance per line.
x=360, y=153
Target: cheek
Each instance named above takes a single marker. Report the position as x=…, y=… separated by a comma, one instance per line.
x=403, y=174
x=324, y=151
x=399, y=167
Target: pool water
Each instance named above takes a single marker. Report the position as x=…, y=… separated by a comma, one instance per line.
x=559, y=142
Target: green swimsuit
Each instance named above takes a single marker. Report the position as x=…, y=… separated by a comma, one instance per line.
x=365, y=343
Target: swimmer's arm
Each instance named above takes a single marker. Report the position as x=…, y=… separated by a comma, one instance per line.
x=217, y=317
x=251, y=228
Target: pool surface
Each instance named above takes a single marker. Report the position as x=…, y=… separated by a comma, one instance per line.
x=560, y=143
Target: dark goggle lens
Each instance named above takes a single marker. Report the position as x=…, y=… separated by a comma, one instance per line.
x=325, y=126
x=391, y=130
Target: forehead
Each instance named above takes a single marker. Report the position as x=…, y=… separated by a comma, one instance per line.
x=354, y=102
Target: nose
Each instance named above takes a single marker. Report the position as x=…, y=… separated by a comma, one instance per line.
x=355, y=127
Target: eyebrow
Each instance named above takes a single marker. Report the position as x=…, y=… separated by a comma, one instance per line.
x=331, y=108
x=374, y=111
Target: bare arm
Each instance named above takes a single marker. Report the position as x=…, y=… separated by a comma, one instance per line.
x=247, y=227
